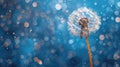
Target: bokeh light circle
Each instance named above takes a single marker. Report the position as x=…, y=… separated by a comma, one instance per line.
x=76, y=15
x=58, y=7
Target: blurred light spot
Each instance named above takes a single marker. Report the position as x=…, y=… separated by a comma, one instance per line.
x=7, y=43
x=10, y=11
x=111, y=2
x=109, y=9
x=102, y=37
x=26, y=24
x=18, y=7
x=23, y=11
x=62, y=20
x=53, y=51
x=117, y=65
x=61, y=27
x=34, y=39
x=14, y=33
x=1, y=1
x=95, y=3
x=46, y=38
x=82, y=45
x=93, y=49
x=34, y=4
x=16, y=46
x=1, y=25
x=17, y=40
x=1, y=16
x=104, y=19
x=27, y=61
x=118, y=4
x=19, y=18
x=22, y=34
x=71, y=54
x=35, y=23
x=64, y=7
x=60, y=1
x=40, y=62
x=9, y=22
x=117, y=19
x=71, y=41
x=97, y=62
x=9, y=61
x=116, y=56
x=30, y=30
x=109, y=43
x=58, y=6
x=112, y=18
x=37, y=60
x=27, y=1
x=116, y=13
x=36, y=46
x=100, y=52
x=22, y=56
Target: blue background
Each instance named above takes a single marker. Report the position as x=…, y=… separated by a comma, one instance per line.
x=47, y=37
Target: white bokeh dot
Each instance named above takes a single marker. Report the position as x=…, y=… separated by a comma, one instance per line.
x=95, y=3
x=118, y=4
x=71, y=41
x=34, y=4
x=117, y=19
x=58, y=6
x=101, y=37
x=27, y=1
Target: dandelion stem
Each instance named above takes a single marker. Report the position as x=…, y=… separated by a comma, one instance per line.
x=89, y=52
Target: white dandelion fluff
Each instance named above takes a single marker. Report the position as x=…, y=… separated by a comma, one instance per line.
x=76, y=15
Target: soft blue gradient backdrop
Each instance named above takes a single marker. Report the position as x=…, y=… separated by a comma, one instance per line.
x=47, y=36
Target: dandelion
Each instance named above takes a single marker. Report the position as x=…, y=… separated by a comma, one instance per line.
x=81, y=22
